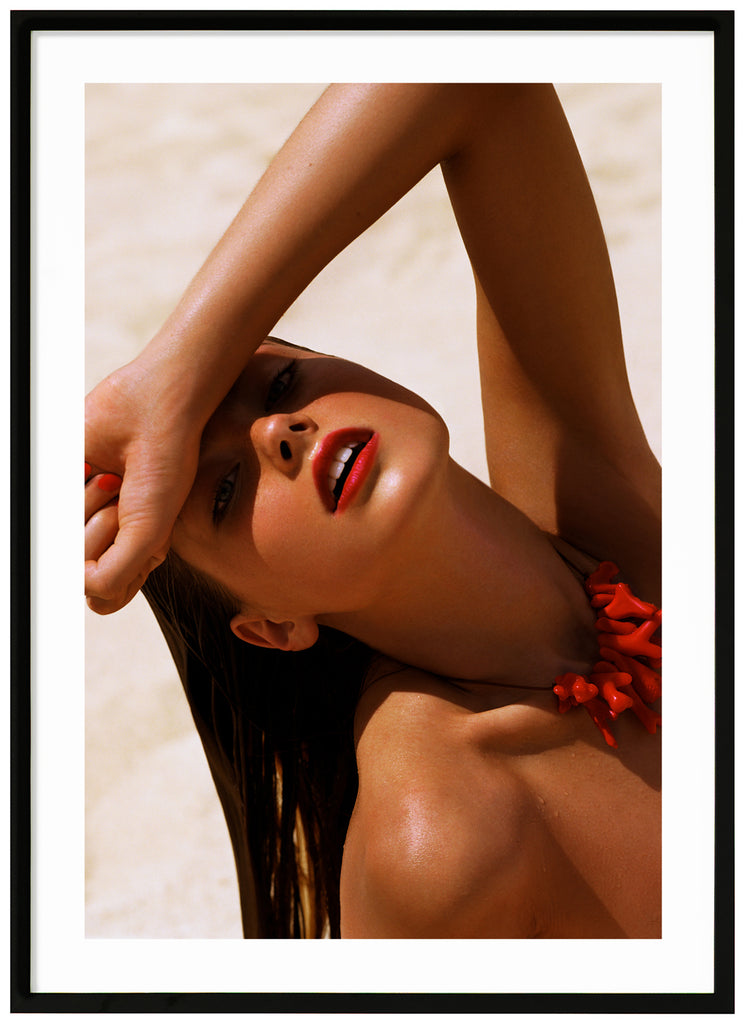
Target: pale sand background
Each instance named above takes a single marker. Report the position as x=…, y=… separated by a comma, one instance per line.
x=167, y=168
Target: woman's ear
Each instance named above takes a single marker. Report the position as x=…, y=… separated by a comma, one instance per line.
x=290, y=635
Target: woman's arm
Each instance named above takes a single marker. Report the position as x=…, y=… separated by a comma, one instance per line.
x=548, y=324
x=353, y=156
x=564, y=440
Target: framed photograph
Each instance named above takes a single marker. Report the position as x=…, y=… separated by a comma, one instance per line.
x=136, y=139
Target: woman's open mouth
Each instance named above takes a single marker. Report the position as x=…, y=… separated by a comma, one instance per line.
x=341, y=466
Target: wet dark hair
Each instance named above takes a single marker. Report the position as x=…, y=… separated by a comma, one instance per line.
x=277, y=730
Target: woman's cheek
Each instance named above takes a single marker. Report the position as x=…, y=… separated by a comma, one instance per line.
x=283, y=534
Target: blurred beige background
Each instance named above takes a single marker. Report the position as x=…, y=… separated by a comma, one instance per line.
x=167, y=167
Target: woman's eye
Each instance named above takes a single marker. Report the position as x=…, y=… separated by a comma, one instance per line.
x=224, y=495
x=280, y=384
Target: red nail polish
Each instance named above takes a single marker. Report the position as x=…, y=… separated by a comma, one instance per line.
x=109, y=482
x=87, y=470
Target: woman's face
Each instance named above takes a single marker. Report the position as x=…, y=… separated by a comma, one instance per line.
x=313, y=474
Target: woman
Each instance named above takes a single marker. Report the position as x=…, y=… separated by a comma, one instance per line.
x=481, y=839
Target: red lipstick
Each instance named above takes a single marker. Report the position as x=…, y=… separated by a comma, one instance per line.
x=355, y=467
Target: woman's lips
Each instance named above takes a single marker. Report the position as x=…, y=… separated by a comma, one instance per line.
x=333, y=460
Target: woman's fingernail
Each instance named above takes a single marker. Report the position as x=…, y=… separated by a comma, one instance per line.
x=109, y=482
x=87, y=470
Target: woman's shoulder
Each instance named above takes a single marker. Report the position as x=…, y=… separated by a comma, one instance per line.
x=472, y=817
x=412, y=716
x=398, y=699
x=434, y=823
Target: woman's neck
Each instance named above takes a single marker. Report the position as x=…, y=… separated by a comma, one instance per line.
x=478, y=592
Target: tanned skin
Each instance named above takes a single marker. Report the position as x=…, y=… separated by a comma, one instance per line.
x=481, y=811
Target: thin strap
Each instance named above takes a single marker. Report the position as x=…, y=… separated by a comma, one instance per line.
x=577, y=560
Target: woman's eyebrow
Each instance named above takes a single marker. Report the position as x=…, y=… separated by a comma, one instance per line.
x=204, y=439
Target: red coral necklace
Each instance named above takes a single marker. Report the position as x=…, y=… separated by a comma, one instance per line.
x=628, y=674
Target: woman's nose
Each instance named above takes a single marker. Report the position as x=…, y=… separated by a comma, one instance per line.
x=284, y=439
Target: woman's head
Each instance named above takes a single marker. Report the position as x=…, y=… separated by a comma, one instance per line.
x=262, y=550
x=312, y=475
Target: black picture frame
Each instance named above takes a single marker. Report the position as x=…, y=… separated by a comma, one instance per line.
x=22, y=998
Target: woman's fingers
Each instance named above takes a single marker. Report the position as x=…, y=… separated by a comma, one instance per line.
x=100, y=531
x=147, y=509
x=154, y=460
x=102, y=606
x=100, y=489
x=113, y=579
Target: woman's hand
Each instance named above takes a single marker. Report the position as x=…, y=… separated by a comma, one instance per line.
x=142, y=447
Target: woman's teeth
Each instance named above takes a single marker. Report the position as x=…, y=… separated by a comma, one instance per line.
x=337, y=466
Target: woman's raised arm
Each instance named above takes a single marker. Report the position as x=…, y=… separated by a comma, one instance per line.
x=563, y=437
x=358, y=150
